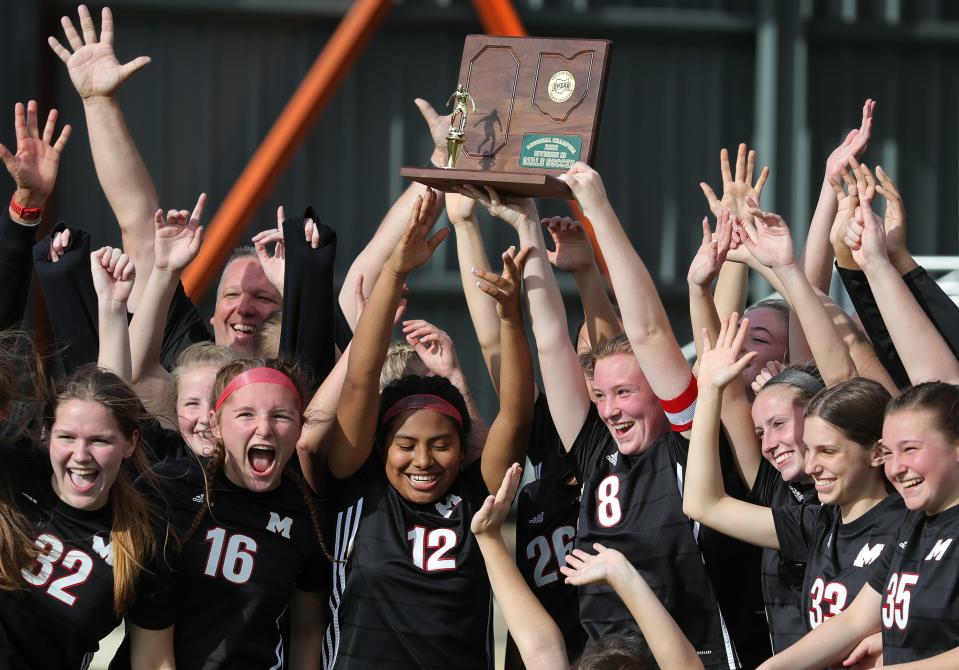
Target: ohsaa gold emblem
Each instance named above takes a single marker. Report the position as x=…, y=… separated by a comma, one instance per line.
x=561, y=86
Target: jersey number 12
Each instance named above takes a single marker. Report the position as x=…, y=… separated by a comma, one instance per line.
x=440, y=539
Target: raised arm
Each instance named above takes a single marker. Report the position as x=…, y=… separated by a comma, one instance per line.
x=176, y=243
x=97, y=76
x=113, y=276
x=508, y=437
x=393, y=226
x=818, y=252
x=731, y=286
x=573, y=253
x=33, y=167
x=666, y=641
x=769, y=241
x=736, y=415
x=471, y=253
x=924, y=353
x=356, y=412
x=559, y=365
x=536, y=635
x=644, y=317
x=704, y=497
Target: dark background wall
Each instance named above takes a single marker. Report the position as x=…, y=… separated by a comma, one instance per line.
x=688, y=77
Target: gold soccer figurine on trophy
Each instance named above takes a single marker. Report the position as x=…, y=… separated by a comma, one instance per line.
x=457, y=133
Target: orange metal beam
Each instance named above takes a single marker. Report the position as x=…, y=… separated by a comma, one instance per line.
x=499, y=17
x=287, y=134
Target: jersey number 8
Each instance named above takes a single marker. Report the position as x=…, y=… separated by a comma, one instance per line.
x=232, y=556
x=51, y=553
x=608, y=510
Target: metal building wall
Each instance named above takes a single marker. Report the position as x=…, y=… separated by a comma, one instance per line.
x=688, y=77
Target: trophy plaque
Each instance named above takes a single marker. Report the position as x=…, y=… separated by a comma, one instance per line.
x=526, y=109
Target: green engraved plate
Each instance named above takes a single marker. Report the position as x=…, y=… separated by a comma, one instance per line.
x=549, y=152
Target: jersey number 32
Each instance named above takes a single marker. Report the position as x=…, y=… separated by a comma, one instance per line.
x=50, y=553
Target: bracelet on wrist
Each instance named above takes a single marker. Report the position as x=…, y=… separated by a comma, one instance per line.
x=25, y=213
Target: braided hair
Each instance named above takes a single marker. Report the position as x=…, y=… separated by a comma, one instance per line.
x=215, y=462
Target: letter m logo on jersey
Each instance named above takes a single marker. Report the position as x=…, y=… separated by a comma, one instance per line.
x=280, y=526
x=867, y=555
x=938, y=550
x=104, y=550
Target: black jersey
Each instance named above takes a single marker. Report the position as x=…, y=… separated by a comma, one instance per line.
x=410, y=588
x=232, y=580
x=546, y=515
x=546, y=452
x=838, y=555
x=634, y=504
x=67, y=606
x=919, y=584
x=782, y=580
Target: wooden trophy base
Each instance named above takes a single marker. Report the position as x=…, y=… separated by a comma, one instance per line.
x=532, y=185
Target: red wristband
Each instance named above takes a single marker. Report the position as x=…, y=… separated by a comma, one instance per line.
x=25, y=213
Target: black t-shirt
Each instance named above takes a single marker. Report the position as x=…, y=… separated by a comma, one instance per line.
x=410, y=588
x=232, y=581
x=838, y=555
x=67, y=606
x=634, y=504
x=546, y=515
x=919, y=584
x=782, y=580
x=546, y=452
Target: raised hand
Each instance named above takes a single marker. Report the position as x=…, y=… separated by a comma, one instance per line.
x=506, y=287
x=438, y=126
x=894, y=222
x=865, y=235
x=854, y=145
x=273, y=265
x=712, y=252
x=360, y=300
x=767, y=237
x=113, y=275
x=587, y=187
x=721, y=364
x=36, y=162
x=460, y=208
x=573, y=251
x=770, y=370
x=59, y=244
x=311, y=231
x=513, y=211
x=177, y=239
x=93, y=67
x=433, y=346
x=736, y=188
x=602, y=567
x=489, y=518
x=414, y=249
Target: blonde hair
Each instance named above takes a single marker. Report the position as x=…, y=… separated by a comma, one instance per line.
x=266, y=337
x=133, y=517
x=396, y=365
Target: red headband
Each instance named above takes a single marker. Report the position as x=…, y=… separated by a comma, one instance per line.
x=423, y=401
x=258, y=376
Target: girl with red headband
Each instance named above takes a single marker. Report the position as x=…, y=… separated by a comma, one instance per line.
x=409, y=585
x=251, y=556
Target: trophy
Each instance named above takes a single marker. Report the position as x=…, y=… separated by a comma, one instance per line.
x=525, y=110
x=457, y=133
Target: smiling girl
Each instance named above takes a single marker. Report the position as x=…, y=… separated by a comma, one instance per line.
x=409, y=584
x=913, y=592
x=857, y=520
